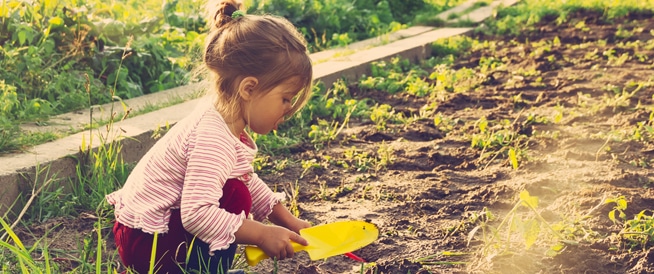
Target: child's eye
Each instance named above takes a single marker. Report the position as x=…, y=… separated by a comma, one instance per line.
x=287, y=101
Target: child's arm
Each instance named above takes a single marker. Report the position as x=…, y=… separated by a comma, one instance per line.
x=274, y=240
x=266, y=204
x=282, y=217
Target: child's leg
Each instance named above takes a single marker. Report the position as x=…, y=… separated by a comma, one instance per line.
x=236, y=199
x=135, y=247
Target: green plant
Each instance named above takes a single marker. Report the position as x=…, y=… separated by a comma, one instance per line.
x=385, y=156
x=502, y=139
x=398, y=75
x=25, y=261
x=527, y=14
x=454, y=46
x=330, y=194
x=357, y=159
x=325, y=132
x=293, y=191
x=527, y=225
x=437, y=259
x=619, y=207
x=308, y=165
x=101, y=170
x=381, y=115
x=472, y=220
x=639, y=231
x=644, y=130
x=323, y=25
x=363, y=161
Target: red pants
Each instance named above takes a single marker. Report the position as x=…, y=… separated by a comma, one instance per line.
x=135, y=246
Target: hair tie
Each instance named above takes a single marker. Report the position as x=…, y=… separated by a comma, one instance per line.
x=237, y=14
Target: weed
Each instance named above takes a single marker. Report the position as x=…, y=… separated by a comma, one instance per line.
x=501, y=139
x=385, y=157
x=639, y=231
x=527, y=225
x=362, y=161
x=358, y=160
x=437, y=259
x=444, y=123
x=25, y=262
x=327, y=194
x=469, y=220
x=644, y=130
x=383, y=114
x=619, y=207
x=613, y=60
x=307, y=165
x=293, y=191
x=396, y=76
x=325, y=132
x=377, y=193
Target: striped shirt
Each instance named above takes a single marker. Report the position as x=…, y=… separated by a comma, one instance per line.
x=187, y=169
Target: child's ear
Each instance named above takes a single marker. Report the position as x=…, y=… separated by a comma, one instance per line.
x=247, y=87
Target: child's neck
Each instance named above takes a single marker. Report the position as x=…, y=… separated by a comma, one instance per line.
x=236, y=125
x=234, y=119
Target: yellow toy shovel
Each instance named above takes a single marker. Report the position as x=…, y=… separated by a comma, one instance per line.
x=326, y=240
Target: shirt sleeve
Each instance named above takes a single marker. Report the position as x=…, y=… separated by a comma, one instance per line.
x=210, y=159
x=263, y=198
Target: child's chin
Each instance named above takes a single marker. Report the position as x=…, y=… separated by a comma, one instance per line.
x=262, y=132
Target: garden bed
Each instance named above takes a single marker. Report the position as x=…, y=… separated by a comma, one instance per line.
x=520, y=153
x=573, y=101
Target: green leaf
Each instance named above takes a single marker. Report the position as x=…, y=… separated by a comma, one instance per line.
x=555, y=250
x=471, y=234
x=528, y=200
x=612, y=215
x=513, y=158
x=56, y=21
x=483, y=124
x=22, y=37
x=153, y=253
x=531, y=231
x=621, y=203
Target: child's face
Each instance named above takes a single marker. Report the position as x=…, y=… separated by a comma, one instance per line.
x=266, y=112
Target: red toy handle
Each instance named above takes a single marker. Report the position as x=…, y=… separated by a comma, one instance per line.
x=354, y=257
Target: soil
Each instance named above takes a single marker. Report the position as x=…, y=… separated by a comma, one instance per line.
x=433, y=199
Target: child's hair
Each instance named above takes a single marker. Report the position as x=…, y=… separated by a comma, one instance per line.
x=266, y=47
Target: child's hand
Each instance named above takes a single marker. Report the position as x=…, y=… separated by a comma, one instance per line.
x=282, y=217
x=296, y=224
x=276, y=242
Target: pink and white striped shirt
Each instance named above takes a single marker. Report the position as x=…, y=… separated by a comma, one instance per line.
x=187, y=169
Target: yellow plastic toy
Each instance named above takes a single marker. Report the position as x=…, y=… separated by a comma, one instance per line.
x=326, y=240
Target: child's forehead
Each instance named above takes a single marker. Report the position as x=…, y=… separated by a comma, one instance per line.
x=289, y=86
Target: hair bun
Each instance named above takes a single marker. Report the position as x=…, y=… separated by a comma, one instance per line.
x=223, y=10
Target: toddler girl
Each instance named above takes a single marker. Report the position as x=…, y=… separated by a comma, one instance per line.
x=196, y=187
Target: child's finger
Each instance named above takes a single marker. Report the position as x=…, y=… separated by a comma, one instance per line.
x=289, y=251
x=298, y=239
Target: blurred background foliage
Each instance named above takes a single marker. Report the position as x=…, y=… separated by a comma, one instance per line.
x=58, y=56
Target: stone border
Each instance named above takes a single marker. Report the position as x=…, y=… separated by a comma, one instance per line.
x=19, y=173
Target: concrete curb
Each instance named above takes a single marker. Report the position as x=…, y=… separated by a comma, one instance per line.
x=57, y=160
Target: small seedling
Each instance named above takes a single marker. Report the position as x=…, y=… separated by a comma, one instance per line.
x=619, y=208
x=639, y=231
x=527, y=225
